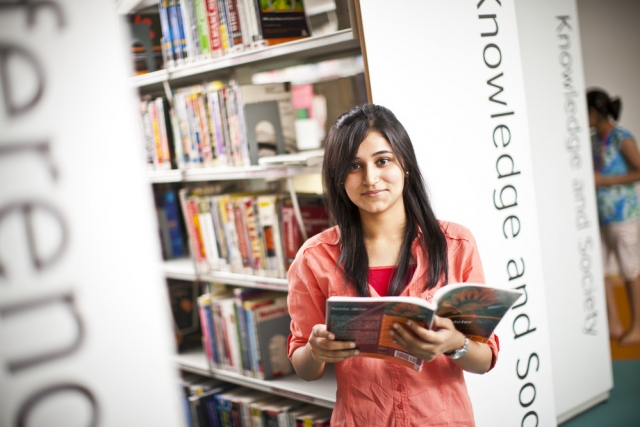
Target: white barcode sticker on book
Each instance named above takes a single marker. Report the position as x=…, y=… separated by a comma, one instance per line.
x=405, y=356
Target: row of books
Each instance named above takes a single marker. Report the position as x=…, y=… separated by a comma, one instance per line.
x=218, y=125
x=213, y=403
x=193, y=30
x=245, y=331
x=254, y=234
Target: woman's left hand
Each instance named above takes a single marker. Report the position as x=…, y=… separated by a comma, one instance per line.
x=599, y=179
x=428, y=344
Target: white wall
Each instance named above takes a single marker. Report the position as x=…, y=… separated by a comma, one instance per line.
x=611, y=53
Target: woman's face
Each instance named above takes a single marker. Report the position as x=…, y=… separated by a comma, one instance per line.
x=376, y=180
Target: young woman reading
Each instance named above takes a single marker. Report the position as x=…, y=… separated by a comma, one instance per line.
x=386, y=241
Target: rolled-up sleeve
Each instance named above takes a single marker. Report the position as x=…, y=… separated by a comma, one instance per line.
x=306, y=301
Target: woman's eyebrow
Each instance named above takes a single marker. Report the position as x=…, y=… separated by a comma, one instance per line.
x=377, y=153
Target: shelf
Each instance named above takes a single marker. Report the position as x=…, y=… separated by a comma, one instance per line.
x=163, y=176
x=321, y=392
x=268, y=173
x=309, y=47
x=183, y=269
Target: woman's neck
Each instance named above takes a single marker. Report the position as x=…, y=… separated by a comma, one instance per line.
x=383, y=237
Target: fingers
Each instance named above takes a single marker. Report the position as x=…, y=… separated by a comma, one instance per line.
x=324, y=347
x=442, y=323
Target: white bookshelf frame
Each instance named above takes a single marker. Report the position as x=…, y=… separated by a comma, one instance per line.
x=184, y=269
x=323, y=392
x=268, y=173
x=336, y=42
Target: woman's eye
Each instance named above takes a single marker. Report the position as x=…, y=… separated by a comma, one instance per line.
x=383, y=161
x=354, y=166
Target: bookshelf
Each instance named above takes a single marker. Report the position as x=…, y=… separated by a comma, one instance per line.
x=241, y=66
x=183, y=269
x=322, y=392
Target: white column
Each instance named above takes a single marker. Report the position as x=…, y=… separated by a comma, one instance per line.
x=467, y=82
x=84, y=317
x=563, y=175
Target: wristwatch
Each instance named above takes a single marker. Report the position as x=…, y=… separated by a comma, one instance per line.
x=457, y=354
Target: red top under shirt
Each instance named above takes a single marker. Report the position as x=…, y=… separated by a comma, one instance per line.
x=380, y=277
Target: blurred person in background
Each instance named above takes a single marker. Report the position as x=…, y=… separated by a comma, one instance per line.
x=616, y=161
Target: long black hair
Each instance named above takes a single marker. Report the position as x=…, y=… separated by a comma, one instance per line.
x=341, y=148
x=600, y=101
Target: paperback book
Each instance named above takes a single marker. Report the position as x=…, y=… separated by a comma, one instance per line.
x=474, y=309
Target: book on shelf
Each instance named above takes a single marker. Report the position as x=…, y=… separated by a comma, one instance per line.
x=268, y=323
x=474, y=309
x=283, y=21
x=172, y=235
x=315, y=219
x=247, y=233
x=183, y=299
x=269, y=115
x=277, y=413
x=197, y=30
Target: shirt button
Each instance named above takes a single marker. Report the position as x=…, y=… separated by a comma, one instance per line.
x=400, y=387
x=400, y=405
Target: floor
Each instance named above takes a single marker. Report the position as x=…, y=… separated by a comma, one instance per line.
x=621, y=410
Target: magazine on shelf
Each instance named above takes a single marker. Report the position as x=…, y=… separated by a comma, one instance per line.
x=474, y=309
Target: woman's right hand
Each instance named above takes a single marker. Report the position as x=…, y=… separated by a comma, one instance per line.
x=324, y=347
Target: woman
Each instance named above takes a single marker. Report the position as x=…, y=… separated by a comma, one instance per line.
x=616, y=161
x=386, y=241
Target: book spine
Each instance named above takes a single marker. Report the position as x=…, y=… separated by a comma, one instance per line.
x=232, y=335
x=180, y=105
x=182, y=30
x=290, y=232
x=155, y=125
x=202, y=265
x=203, y=124
x=167, y=39
x=177, y=139
x=213, y=19
x=235, y=26
x=149, y=141
x=225, y=127
x=164, y=136
x=173, y=222
x=188, y=219
x=221, y=241
x=243, y=236
x=175, y=31
x=242, y=126
x=272, y=241
x=190, y=48
x=196, y=131
x=203, y=303
x=225, y=26
x=208, y=236
x=203, y=26
x=228, y=223
x=255, y=236
x=219, y=331
x=214, y=106
x=210, y=125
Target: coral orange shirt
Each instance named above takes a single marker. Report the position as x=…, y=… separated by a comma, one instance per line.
x=373, y=392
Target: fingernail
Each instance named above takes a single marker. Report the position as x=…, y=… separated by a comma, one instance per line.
x=409, y=322
x=357, y=352
x=391, y=332
x=352, y=344
x=331, y=336
x=395, y=326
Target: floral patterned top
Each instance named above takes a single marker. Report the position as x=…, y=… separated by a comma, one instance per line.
x=616, y=203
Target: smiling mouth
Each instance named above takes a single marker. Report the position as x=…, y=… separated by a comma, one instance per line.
x=372, y=193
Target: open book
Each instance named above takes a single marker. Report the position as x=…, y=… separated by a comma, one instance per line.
x=474, y=309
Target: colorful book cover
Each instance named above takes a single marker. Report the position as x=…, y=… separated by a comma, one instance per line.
x=282, y=21
x=203, y=26
x=174, y=224
x=474, y=309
